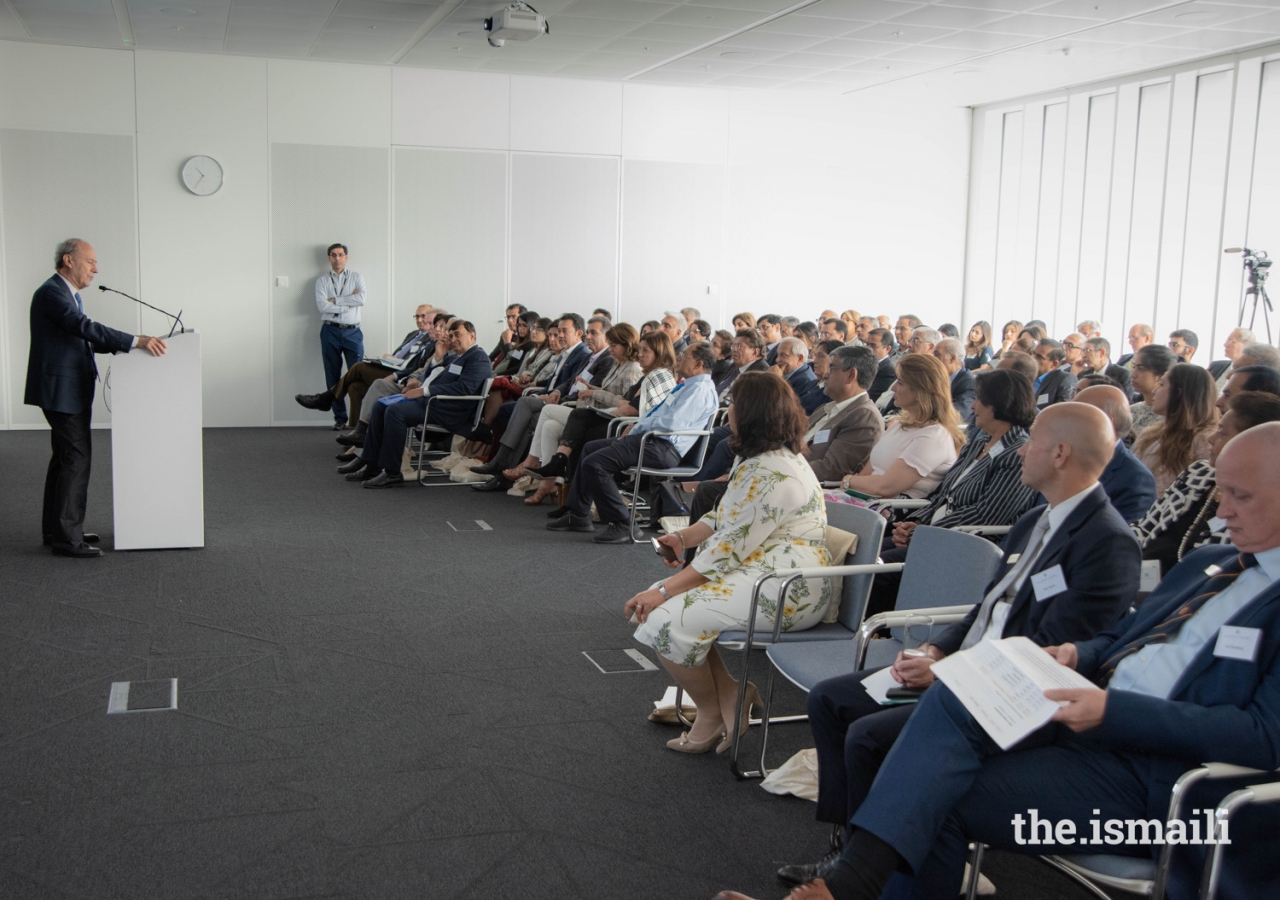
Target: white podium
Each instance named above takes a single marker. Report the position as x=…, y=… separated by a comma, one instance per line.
x=157, y=458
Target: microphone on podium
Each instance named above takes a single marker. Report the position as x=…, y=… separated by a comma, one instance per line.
x=177, y=320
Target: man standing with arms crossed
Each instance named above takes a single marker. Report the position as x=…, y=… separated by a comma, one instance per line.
x=60, y=377
x=340, y=294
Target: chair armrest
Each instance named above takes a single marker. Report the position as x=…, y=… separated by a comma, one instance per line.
x=1268, y=792
x=897, y=503
x=941, y=615
x=982, y=529
x=617, y=423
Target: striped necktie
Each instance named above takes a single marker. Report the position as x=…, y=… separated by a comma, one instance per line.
x=1167, y=630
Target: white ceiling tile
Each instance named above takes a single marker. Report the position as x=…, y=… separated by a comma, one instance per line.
x=617, y=10
x=860, y=49
x=861, y=10
x=521, y=66
x=452, y=49
x=1214, y=40
x=381, y=9
x=1033, y=25
x=892, y=68
x=901, y=33
x=947, y=17
x=710, y=17
x=662, y=76
x=1103, y=10
x=763, y=7
x=269, y=49
x=655, y=50
x=719, y=66
x=1131, y=32
x=585, y=25
x=821, y=61
x=600, y=58
x=602, y=73
x=747, y=81
x=769, y=40
x=785, y=73
x=361, y=24
x=812, y=25
x=924, y=53
x=1267, y=22
x=355, y=40
x=274, y=18
x=978, y=40
x=193, y=45
x=349, y=54
x=846, y=78
x=1199, y=15
x=1005, y=5
x=665, y=31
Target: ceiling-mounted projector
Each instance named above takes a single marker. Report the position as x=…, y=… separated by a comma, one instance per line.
x=517, y=22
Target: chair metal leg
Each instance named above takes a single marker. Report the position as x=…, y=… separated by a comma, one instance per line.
x=976, y=852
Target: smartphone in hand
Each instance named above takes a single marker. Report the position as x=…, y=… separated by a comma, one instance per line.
x=663, y=550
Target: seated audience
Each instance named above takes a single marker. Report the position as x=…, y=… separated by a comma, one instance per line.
x=1166, y=700
x=880, y=342
x=1236, y=341
x=947, y=330
x=674, y=326
x=1017, y=361
x=950, y=353
x=820, y=359
x=1053, y=382
x=514, y=312
x=920, y=445
x=1008, y=334
x=1129, y=484
x=747, y=352
x=1183, y=343
x=770, y=328
x=850, y=318
x=657, y=363
x=1073, y=349
x=864, y=327
x=651, y=325
x=744, y=320
x=389, y=423
x=807, y=332
x=902, y=332
x=689, y=407
x=1089, y=328
x=771, y=518
x=624, y=348
x=792, y=364
x=698, y=330
x=521, y=343
x=985, y=485
x=535, y=365
x=1249, y=378
x=1183, y=517
x=1185, y=398
x=833, y=330
x=1097, y=352
x=722, y=347
x=1079, y=534
x=1150, y=363
x=413, y=351
x=977, y=349
x=1258, y=354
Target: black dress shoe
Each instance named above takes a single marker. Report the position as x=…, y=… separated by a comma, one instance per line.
x=321, y=401
x=344, y=456
x=804, y=873
x=571, y=523
x=352, y=438
x=79, y=551
x=483, y=434
x=556, y=467
x=384, y=480
x=616, y=533
x=558, y=512
x=88, y=537
x=492, y=467
x=354, y=464
x=496, y=483
x=364, y=474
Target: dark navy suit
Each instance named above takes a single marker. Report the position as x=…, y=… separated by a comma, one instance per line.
x=963, y=390
x=1129, y=484
x=945, y=782
x=1101, y=562
x=60, y=376
x=464, y=375
x=805, y=383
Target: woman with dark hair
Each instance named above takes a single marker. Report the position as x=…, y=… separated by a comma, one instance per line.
x=744, y=320
x=538, y=359
x=1184, y=517
x=772, y=517
x=807, y=332
x=977, y=349
x=1149, y=365
x=984, y=487
x=1185, y=397
x=658, y=362
x=624, y=347
x=722, y=347
x=920, y=445
x=651, y=325
x=522, y=342
x=1008, y=335
x=698, y=330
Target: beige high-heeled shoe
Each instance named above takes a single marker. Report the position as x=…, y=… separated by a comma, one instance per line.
x=542, y=493
x=752, y=699
x=682, y=744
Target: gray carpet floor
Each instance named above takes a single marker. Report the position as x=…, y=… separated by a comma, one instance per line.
x=371, y=704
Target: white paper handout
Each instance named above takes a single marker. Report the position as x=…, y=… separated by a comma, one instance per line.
x=878, y=683
x=1002, y=684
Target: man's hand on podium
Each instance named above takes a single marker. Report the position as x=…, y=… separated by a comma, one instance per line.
x=153, y=345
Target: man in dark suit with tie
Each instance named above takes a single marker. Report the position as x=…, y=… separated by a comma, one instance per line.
x=1053, y=382
x=60, y=376
x=1129, y=484
x=880, y=342
x=390, y=422
x=1078, y=538
x=1192, y=675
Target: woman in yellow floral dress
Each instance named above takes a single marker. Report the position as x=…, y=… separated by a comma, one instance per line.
x=772, y=516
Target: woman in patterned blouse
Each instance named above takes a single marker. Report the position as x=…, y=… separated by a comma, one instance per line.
x=772, y=517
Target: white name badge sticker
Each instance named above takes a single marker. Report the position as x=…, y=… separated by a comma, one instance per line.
x=1236, y=642
x=1042, y=400
x=455, y=369
x=585, y=377
x=1013, y=558
x=822, y=436
x=1149, y=579
x=1049, y=583
x=517, y=354
x=1217, y=524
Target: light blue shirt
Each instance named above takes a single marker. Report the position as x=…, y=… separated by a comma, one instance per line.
x=1155, y=669
x=689, y=407
x=339, y=297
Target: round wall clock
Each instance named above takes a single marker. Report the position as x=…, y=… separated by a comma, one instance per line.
x=202, y=175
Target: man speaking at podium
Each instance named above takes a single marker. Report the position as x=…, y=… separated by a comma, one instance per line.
x=60, y=377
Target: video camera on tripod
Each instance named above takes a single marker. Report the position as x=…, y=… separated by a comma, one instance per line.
x=1257, y=267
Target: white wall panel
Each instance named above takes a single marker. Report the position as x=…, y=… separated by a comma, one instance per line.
x=564, y=232
x=1264, y=212
x=1182, y=116
x=1246, y=130
x=433, y=108
x=308, y=213
x=1096, y=208
x=66, y=89
x=672, y=229
x=450, y=236
x=59, y=185
x=564, y=115
x=328, y=103
x=1149, y=167
x=677, y=124
x=1049, y=212
x=1009, y=302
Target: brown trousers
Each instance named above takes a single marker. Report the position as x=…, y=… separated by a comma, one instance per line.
x=355, y=384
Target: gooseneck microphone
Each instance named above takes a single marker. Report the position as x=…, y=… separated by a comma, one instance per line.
x=177, y=320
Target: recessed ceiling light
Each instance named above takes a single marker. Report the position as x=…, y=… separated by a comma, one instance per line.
x=1195, y=14
x=177, y=11
x=967, y=72
x=739, y=54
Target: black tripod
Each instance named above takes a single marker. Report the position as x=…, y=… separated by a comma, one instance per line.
x=1258, y=266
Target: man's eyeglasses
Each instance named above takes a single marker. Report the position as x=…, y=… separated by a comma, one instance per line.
x=421, y=316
